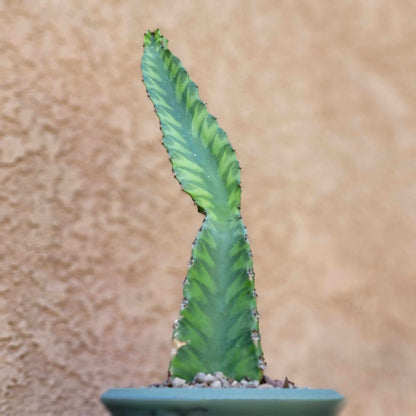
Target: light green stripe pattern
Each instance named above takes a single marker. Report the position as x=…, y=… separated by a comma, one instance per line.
x=218, y=325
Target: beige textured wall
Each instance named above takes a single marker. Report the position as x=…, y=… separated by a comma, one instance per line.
x=319, y=99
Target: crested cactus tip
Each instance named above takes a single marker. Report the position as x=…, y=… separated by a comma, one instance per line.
x=154, y=37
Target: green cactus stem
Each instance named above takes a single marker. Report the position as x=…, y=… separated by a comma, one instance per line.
x=218, y=328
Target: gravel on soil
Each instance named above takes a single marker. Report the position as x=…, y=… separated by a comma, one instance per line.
x=219, y=380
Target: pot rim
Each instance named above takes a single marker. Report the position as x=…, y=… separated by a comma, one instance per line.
x=198, y=393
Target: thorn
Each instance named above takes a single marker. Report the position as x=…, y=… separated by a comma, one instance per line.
x=184, y=304
x=255, y=314
x=262, y=364
x=191, y=261
x=255, y=336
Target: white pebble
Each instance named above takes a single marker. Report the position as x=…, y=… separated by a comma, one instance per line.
x=219, y=375
x=216, y=384
x=178, y=382
x=209, y=378
x=199, y=378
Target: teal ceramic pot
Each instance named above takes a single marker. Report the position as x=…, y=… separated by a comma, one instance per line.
x=221, y=402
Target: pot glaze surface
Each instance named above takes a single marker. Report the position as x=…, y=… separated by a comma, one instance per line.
x=221, y=402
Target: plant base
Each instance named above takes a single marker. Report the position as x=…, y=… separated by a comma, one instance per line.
x=221, y=402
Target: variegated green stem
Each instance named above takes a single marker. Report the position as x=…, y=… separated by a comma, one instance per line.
x=218, y=325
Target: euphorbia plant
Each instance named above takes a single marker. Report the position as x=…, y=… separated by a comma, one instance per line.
x=218, y=327
x=217, y=331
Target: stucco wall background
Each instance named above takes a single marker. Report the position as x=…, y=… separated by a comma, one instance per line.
x=319, y=100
